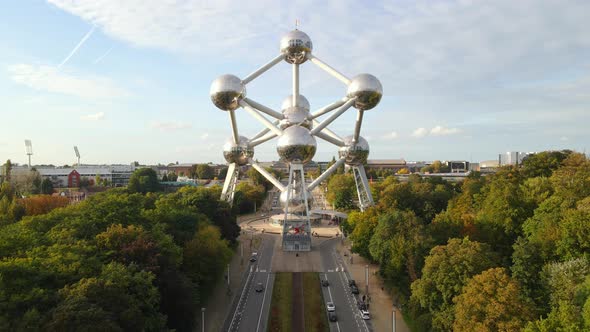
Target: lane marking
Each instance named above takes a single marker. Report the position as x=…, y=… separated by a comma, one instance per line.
x=262, y=306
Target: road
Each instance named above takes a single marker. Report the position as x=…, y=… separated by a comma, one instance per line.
x=338, y=292
x=250, y=312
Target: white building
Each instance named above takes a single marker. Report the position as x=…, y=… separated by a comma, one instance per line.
x=70, y=177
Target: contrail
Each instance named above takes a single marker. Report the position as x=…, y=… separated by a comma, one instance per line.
x=99, y=59
x=86, y=36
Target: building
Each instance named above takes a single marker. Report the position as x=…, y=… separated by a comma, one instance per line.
x=393, y=165
x=458, y=166
x=73, y=177
x=511, y=158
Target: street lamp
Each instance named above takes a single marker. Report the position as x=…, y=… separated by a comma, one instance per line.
x=393, y=319
x=367, y=278
x=203, y=319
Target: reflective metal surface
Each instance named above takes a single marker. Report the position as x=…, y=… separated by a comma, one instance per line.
x=296, y=45
x=296, y=201
x=295, y=115
x=296, y=145
x=354, y=154
x=238, y=153
x=226, y=92
x=367, y=89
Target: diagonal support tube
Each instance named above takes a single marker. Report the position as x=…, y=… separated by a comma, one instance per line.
x=262, y=139
x=269, y=176
x=357, y=127
x=264, y=109
x=326, y=173
x=262, y=69
x=327, y=131
x=260, y=118
x=329, y=108
x=328, y=69
x=234, y=126
x=333, y=117
x=330, y=139
x=263, y=131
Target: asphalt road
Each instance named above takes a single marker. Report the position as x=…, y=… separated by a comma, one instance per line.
x=349, y=318
x=250, y=313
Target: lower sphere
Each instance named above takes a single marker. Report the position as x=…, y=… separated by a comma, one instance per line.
x=239, y=153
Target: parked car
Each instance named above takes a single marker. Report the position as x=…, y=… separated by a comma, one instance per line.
x=325, y=282
x=351, y=282
x=259, y=288
x=332, y=316
x=254, y=257
x=354, y=289
x=330, y=306
x=365, y=314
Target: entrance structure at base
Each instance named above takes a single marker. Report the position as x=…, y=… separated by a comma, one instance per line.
x=296, y=128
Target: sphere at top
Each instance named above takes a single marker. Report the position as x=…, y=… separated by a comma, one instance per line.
x=367, y=89
x=227, y=91
x=295, y=45
x=295, y=115
x=355, y=154
x=296, y=202
x=296, y=145
x=239, y=153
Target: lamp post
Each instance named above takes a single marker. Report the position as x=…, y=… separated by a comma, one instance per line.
x=203, y=319
x=227, y=275
x=367, y=278
x=393, y=319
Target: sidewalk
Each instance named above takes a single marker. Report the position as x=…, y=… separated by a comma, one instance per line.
x=220, y=302
x=381, y=304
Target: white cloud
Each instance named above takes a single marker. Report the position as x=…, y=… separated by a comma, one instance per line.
x=443, y=131
x=420, y=132
x=204, y=136
x=93, y=117
x=170, y=126
x=390, y=136
x=50, y=79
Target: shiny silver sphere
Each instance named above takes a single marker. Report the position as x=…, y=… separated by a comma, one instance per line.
x=295, y=115
x=239, y=153
x=295, y=45
x=367, y=89
x=227, y=91
x=296, y=202
x=296, y=145
x=355, y=154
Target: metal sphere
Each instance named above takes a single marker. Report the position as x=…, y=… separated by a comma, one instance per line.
x=296, y=145
x=227, y=91
x=295, y=115
x=367, y=89
x=355, y=154
x=295, y=45
x=239, y=153
x=296, y=202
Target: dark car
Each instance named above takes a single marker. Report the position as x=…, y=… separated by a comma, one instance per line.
x=354, y=289
x=351, y=283
x=259, y=288
x=325, y=282
x=332, y=316
x=254, y=257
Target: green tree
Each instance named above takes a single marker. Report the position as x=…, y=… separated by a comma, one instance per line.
x=543, y=164
x=143, y=180
x=203, y=172
x=446, y=270
x=491, y=301
x=47, y=187
x=341, y=186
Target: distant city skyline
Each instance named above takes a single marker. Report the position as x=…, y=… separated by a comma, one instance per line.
x=129, y=81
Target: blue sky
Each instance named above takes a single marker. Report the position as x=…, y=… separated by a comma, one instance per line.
x=462, y=79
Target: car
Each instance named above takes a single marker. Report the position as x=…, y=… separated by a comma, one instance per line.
x=254, y=257
x=365, y=314
x=325, y=282
x=354, y=289
x=351, y=283
x=330, y=306
x=259, y=288
x=332, y=316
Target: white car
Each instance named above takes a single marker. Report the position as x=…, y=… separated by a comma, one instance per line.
x=365, y=314
x=330, y=306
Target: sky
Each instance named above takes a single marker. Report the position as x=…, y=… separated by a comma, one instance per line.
x=129, y=80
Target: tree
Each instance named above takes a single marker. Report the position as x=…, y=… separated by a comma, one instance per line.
x=202, y=171
x=143, y=180
x=491, y=301
x=446, y=270
x=543, y=164
x=222, y=173
x=341, y=190
x=47, y=187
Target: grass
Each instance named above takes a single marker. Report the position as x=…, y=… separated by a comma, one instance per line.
x=315, y=316
x=279, y=319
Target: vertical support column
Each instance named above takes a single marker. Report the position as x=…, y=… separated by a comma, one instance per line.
x=362, y=187
x=229, y=185
x=297, y=186
x=295, y=84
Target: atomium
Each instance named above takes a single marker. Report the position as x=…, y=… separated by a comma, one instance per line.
x=239, y=153
x=296, y=129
